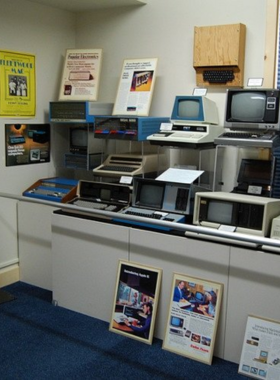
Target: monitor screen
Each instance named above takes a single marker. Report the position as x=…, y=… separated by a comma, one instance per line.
x=150, y=194
x=194, y=109
x=188, y=108
x=220, y=212
x=78, y=140
x=199, y=296
x=255, y=172
x=252, y=109
x=248, y=106
x=176, y=321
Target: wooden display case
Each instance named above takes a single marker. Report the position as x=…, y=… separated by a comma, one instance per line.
x=220, y=48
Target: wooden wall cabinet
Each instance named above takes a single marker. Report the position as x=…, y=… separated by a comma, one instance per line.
x=220, y=48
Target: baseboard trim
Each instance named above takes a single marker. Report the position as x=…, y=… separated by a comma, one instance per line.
x=9, y=275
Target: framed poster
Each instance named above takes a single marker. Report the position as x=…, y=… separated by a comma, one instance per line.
x=136, y=86
x=193, y=317
x=81, y=74
x=27, y=144
x=136, y=300
x=260, y=357
x=17, y=84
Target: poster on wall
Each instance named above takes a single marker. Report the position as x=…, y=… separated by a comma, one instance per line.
x=81, y=74
x=136, y=300
x=27, y=144
x=17, y=84
x=136, y=85
x=193, y=317
x=260, y=357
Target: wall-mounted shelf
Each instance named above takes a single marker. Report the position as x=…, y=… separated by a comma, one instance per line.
x=88, y=5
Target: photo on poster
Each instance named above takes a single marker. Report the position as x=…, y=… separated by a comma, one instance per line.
x=193, y=317
x=136, y=301
x=136, y=86
x=260, y=357
x=27, y=144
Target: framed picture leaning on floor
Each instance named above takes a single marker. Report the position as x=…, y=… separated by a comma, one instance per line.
x=193, y=317
x=135, y=301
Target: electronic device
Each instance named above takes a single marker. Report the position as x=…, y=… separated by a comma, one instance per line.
x=132, y=128
x=53, y=189
x=275, y=191
x=248, y=214
x=86, y=152
x=128, y=164
x=265, y=139
x=176, y=321
x=77, y=111
x=102, y=196
x=254, y=177
x=275, y=228
x=16, y=139
x=160, y=200
x=194, y=122
x=194, y=109
x=82, y=141
x=252, y=109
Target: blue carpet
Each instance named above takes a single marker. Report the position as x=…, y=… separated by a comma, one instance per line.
x=42, y=341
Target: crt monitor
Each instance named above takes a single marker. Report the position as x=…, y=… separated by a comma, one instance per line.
x=149, y=194
x=252, y=109
x=255, y=172
x=194, y=109
x=79, y=140
x=176, y=321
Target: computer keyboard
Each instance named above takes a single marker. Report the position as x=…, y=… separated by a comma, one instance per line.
x=152, y=215
x=218, y=76
x=247, y=135
x=247, y=138
x=115, y=168
x=94, y=205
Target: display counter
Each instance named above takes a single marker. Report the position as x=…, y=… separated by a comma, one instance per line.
x=83, y=251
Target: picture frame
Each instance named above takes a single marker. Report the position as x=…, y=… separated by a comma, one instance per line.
x=136, y=86
x=81, y=74
x=135, y=301
x=27, y=144
x=260, y=356
x=17, y=84
x=193, y=316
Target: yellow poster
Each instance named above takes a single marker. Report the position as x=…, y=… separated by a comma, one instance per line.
x=17, y=84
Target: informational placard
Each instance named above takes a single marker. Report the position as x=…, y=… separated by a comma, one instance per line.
x=260, y=357
x=17, y=84
x=136, y=87
x=135, y=302
x=27, y=144
x=193, y=317
x=81, y=74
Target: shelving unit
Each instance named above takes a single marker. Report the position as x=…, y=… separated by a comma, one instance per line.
x=88, y=5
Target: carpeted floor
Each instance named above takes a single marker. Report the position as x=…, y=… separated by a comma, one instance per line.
x=41, y=341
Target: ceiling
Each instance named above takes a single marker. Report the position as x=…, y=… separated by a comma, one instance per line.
x=87, y=5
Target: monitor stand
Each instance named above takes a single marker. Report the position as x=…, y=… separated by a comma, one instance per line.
x=5, y=297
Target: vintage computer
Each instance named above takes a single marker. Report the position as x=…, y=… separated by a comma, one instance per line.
x=252, y=117
x=194, y=122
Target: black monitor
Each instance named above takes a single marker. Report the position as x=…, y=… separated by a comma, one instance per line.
x=252, y=109
x=149, y=193
x=255, y=172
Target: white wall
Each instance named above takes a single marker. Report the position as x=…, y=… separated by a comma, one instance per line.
x=46, y=32
x=166, y=30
